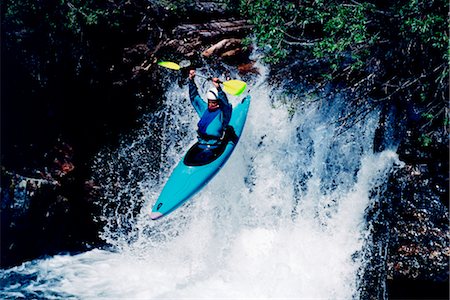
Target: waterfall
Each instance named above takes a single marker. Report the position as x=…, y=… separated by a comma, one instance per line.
x=284, y=218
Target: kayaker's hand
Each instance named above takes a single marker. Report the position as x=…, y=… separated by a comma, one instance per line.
x=216, y=81
x=191, y=74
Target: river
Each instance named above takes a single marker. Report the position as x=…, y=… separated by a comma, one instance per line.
x=284, y=218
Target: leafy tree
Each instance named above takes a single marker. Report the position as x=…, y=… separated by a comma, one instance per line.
x=39, y=33
x=394, y=53
x=60, y=59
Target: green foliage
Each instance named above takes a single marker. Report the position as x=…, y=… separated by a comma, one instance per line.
x=344, y=28
x=178, y=6
x=346, y=31
x=350, y=29
x=446, y=121
x=84, y=13
x=428, y=116
x=40, y=33
x=425, y=140
x=187, y=8
x=269, y=18
x=384, y=51
x=72, y=15
x=426, y=23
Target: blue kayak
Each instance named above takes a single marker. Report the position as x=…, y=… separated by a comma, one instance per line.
x=199, y=165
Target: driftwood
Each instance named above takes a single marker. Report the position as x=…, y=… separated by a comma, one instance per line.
x=214, y=29
x=221, y=38
x=224, y=48
x=189, y=39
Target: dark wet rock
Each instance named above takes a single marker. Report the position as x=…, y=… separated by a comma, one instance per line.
x=47, y=211
x=419, y=245
x=417, y=289
x=44, y=220
x=409, y=244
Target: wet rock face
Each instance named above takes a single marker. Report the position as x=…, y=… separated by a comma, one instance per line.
x=417, y=237
x=419, y=247
x=419, y=234
x=408, y=250
x=48, y=209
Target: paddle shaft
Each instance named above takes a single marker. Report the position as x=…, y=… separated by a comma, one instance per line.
x=233, y=87
x=208, y=78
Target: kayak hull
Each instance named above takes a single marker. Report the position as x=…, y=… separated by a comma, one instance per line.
x=188, y=178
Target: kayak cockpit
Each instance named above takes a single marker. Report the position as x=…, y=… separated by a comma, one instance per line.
x=201, y=154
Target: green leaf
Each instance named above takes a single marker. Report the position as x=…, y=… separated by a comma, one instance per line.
x=425, y=140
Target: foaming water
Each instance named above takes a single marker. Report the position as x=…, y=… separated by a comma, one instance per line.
x=284, y=218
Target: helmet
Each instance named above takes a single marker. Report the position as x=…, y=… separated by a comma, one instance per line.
x=212, y=94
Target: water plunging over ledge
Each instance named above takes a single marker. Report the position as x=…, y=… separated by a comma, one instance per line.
x=284, y=218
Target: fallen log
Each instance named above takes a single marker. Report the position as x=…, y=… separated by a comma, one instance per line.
x=224, y=48
x=213, y=29
x=221, y=37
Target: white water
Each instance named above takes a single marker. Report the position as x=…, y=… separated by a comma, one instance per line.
x=283, y=219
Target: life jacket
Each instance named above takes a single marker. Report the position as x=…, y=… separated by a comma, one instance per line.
x=210, y=126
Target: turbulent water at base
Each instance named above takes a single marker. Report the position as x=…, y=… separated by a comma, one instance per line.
x=284, y=218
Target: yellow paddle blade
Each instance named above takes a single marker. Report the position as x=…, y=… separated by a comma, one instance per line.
x=170, y=65
x=234, y=87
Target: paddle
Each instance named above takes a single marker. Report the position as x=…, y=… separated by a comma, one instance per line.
x=232, y=87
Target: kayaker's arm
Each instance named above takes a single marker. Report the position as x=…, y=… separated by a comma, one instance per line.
x=198, y=103
x=222, y=96
x=193, y=91
x=224, y=102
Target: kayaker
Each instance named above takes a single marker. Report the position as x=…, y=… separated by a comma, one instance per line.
x=214, y=114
